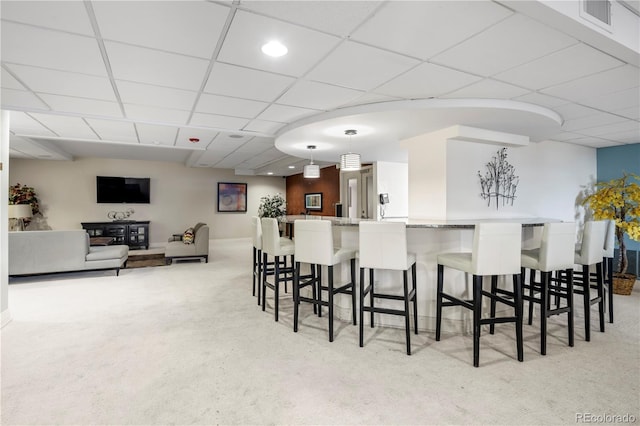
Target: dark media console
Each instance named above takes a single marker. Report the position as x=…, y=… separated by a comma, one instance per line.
x=133, y=233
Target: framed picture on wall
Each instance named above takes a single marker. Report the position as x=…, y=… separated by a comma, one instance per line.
x=232, y=197
x=313, y=201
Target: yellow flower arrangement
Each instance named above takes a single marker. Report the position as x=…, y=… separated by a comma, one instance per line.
x=619, y=200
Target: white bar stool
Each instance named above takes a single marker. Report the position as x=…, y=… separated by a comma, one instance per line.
x=383, y=245
x=607, y=262
x=556, y=253
x=496, y=251
x=256, y=238
x=275, y=246
x=590, y=254
x=314, y=245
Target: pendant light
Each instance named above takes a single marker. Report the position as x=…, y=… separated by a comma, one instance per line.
x=311, y=171
x=350, y=162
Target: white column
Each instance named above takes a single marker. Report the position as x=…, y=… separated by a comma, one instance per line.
x=5, y=315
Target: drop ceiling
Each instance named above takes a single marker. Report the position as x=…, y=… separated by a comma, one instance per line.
x=140, y=79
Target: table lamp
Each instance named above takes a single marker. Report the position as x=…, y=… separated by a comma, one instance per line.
x=17, y=213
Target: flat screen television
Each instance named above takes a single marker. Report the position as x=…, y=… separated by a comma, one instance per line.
x=111, y=189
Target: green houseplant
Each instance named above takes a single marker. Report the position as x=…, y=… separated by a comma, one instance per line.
x=272, y=206
x=619, y=200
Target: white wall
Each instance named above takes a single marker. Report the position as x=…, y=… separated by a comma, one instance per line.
x=393, y=179
x=180, y=196
x=552, y=177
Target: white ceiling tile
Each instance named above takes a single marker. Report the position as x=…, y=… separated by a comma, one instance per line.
x=512, y=42
x=622, y=128
x=627, y=137
x=69, y=16
x=224, y=105
x=621, y=78
x=71, y=127
x=190, y=28
x=540, y=99
x=20, y=99
x=27, y=45
x=286, y=113
x=369, y=98
x=252, y=148
x=154, y=67
x=573, y=111
x=240, y=82
x=156, y=115
x=600, y=119
x=82, y=106
x=146, y=94
x=64, y=83
x=310, y=94
x=31, y=148
x=335, y=17
x=205, y=136
x=262, y=126
x=156, y=135
x=633, y=112
x=8, y=82
x=22, y=124
x=361, y=67
x=426, y=80
x=113, y=130
x=567, y=64
x=218, y=121
x=249, y=32
x=592, y=142
x=627, y=98
x=565, y=136
x=424, y=28
x=488, y=89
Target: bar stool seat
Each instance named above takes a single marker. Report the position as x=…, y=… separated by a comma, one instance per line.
x=556, y=253
x=496, y=251
x=383, y=245
x=277, y=247
x=314, y=245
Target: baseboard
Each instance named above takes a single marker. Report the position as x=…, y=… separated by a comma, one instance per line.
x=5, y=317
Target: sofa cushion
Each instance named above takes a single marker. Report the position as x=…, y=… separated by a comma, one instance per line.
x=107, y=252
x=187, y=238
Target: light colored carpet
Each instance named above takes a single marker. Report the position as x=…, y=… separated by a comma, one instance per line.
x=187, y=344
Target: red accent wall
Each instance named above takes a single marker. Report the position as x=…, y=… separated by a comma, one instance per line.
x=328, y=184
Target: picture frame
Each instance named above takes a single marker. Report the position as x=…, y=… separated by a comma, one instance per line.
x=232, y=197
x=313, y=201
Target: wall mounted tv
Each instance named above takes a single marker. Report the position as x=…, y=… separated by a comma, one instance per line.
x=111, y=189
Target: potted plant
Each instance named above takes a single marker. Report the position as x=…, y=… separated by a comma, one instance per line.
x=22, y=194
x=272, y=206
x=619, y=200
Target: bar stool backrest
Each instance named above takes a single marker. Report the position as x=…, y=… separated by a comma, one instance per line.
x=593, y=239
x=383, y=245
x=610, y=239
x=270, y=236
x=496, y=249
x=314, y=242
x=256, y=234
x=557, y=249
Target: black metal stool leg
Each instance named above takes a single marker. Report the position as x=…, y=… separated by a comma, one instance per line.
x=407, y=329
x=586, y=300
x=362, y=275
x=353, y=289
x=415, y=299
x=477, y=314
x=439, y=301
x=492, y=313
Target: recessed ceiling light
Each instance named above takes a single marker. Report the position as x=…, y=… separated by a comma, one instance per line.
x=269, y=173
x=275, y=49
x=292, y=167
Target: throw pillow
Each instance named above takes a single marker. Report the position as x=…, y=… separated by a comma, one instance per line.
x=187, y=237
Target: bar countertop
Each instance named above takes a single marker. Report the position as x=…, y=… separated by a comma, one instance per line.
x=425, y=223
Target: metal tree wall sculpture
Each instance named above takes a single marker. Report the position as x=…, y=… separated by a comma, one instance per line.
x=500, y=181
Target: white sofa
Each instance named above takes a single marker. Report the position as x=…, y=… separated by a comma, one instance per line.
x=44, y=252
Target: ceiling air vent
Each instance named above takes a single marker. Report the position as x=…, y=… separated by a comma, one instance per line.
x=597, y=12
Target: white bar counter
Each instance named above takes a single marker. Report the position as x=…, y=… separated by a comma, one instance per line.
x=426, y=238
